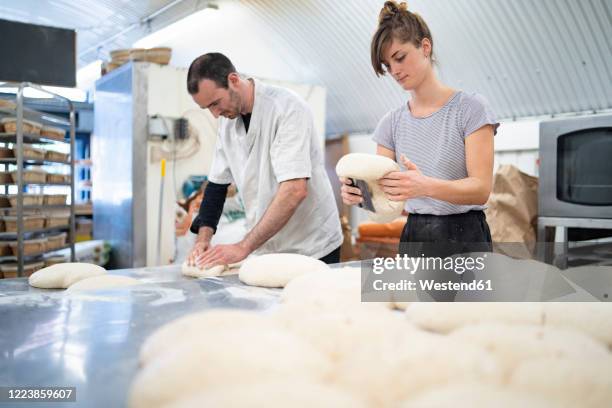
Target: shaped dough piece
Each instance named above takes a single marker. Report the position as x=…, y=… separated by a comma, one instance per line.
x=276, y=270
x=196, y=272
x=103, y=282
x=370, y=168
x=282, y=393
x=335, y=332
x=336, y=289
x=394, y=368
x=199, y=326
x=62, y=275
x=445, y=317
x=592, y=318
x=476, y=395
x=514, y=344
x=575, y=382
x=238, y=357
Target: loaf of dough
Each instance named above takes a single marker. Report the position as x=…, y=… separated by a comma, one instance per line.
x=370, y=168
x=103, y=282
x=199, y=326
x=576, y=382
x=62, y=275
x=227, y=357
x=475, y=395
x=393, y=368
x=196, y=272
x=514, y=344
x=592, y=318
x=336, y=289
x=276, y=270
x=281, y=393
x=445, y=317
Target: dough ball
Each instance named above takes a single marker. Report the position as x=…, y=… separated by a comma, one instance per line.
x=370, y=168
x=397, y=367
x=196, y=272
x=62, y=275
x=514, y=344
x=575, y=382
x=280, y=393
x=475, y=395
x=234, y=357
x=592, y=318
x=445, y=317
x=103, y=282
x=199, y=326
x=336, y=289
x=335, y=332
x=276, y=270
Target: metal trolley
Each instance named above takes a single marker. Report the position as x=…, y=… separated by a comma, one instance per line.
x=18, y=138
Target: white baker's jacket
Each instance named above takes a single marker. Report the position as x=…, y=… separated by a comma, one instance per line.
x=280, y=145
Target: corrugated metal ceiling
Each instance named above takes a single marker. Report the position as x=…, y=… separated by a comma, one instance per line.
x=528, y=57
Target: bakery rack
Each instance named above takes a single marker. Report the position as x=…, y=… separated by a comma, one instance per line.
x=21, y=138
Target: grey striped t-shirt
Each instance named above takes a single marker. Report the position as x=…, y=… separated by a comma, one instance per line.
x=435, y=143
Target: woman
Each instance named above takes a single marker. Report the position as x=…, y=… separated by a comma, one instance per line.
x=442, y=138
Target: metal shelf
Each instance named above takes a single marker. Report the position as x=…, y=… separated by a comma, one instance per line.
x=12, y=160
x=39, y=207
x=35, y=231
x=18, y=139
x=36, y=184
x=29, y=138
x=31, y=114
x=13, y=258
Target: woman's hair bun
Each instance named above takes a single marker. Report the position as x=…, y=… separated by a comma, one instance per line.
x=391, y=9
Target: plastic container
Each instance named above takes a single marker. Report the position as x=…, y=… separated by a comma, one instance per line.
x=30, y=222
x=29, y=126
x=30, y=246
x=56, y=241
x=55, y=199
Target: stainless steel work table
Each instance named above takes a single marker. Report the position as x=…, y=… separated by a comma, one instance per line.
x=91, y=340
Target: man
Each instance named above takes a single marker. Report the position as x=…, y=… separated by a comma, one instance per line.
x=267, y=146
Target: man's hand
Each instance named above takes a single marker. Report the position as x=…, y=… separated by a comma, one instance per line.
x=351, y=195
x=404, y=185
x=222, y=255
x=202, y=244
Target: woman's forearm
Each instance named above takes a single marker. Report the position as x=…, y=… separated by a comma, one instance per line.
x=467, y=191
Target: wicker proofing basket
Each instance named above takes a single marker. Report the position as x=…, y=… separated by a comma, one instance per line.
x=56, y=241
x=57, y=220
x=138, y=54
x=6, y=153
x=28, y=199
x=33, y=153
x=30, y=222
x=159, y=55
x=55, y=259
x=10, y=270
x=31, y=176
x=29, y=126
x=55, y=199
x=119, y=57
x=54, y=156
x=30, y=246
x=53, y=132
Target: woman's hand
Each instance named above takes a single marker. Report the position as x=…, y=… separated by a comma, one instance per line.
x=404, y=185
x=350, y=195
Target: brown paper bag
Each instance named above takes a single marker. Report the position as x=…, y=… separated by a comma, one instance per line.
x=512, y=211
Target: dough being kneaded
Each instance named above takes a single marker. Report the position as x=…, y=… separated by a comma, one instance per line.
x=197, y=272
x=63, y=275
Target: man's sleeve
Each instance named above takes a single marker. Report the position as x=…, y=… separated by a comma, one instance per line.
x=220, y=172
x=211, y=207
x=291, y=148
